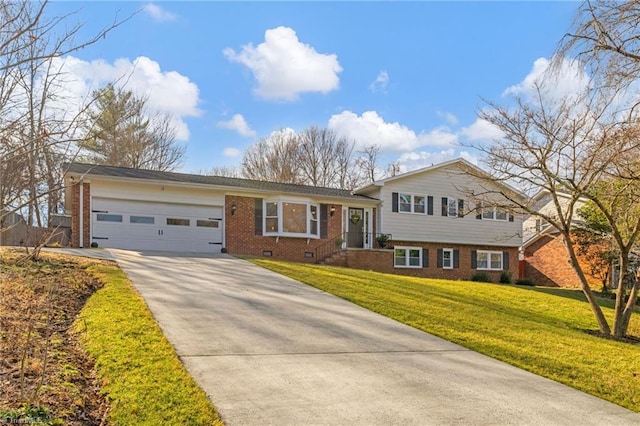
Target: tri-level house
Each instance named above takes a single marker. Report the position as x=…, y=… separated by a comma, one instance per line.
x=421, y=223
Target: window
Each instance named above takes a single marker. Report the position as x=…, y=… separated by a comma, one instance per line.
x=494, y=213
x=294, y=218
x=207, y=223
x=489, y=260
x=452, y=207
x=314, y=220
x=148, y=220
x=178, y=222
x=408, y=203
x=291, y=218
x=407, y=257
x=103, y=217
x=404, y=202
x=271, y=217
x=447, y=258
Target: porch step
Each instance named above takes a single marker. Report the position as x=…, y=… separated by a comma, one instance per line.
x=336, y=259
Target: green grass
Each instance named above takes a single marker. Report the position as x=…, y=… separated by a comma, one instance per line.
x=535, y=329
x=145, y=381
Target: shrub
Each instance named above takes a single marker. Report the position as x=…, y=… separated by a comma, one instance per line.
x=481, y=277
x=525, y=281
x=505, y=278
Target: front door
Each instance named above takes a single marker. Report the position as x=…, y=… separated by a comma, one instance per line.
x=356, y=225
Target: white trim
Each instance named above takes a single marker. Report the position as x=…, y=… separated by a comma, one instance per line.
x=407, y=257
x=489, y=253
x=280, y=218
x=450, y=251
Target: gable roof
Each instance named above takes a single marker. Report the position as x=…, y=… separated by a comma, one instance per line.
x=461, y=162
x=84, y=169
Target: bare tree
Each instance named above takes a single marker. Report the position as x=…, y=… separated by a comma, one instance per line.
x=35, y=138
x=226, y=171
x=273, y=159
x=368, y=162
x=567, y=148
x=606, y=38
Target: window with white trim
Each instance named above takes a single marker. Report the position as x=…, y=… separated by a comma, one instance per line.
x=452, y=207
x=447, y=258
x=293, y=219
x=489, y=260
x=494, y=213
x=407, y=257
x=409, y=203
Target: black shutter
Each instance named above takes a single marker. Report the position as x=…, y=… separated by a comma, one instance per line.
x=439, y=259
x=323, y=221
x=474, y=259
x=430, y=205
x=505, y=260
x=479, y=211
x=394, y=201
x=456, y=258
x=425, y=258
x=444, y=206
x=460, y=208
x=258, y=216
x=510, y=218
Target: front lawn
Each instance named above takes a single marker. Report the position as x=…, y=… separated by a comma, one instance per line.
x=531, y=329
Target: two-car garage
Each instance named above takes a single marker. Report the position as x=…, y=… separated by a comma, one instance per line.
x=147, y=225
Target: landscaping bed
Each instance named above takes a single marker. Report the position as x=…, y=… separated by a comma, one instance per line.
x=45, y=375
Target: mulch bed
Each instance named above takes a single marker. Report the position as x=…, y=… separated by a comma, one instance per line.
x=42, y=365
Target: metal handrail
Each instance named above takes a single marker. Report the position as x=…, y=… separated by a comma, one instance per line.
x=328, y=249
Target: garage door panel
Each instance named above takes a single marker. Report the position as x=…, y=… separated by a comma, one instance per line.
x=139, y=225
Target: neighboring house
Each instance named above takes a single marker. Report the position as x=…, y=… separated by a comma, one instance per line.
x=433, y=229
x=546, y=261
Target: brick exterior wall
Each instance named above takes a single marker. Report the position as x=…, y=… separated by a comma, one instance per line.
x=240, y=237
x=86, y=215
x=382, y=261
x=547, y=264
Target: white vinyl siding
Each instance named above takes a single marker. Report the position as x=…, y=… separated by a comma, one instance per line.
x=442, y=183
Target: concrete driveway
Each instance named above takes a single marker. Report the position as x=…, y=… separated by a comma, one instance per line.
x=270, y=350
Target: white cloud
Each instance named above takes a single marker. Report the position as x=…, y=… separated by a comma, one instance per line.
x=416, y=160
x=380, y=83
x=158, y=13
x=370, y=128
x=482, y=130
x=568, y=78
x=448, y=117
x=167, y=92
x=238, y=124
x=284, y=67
x=232, y=152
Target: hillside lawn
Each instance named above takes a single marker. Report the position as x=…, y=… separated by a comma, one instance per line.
x=542, y=330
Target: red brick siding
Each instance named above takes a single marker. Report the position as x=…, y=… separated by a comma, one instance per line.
x=382, y=261
x=86, y=215
x=240, y=235
x=547, y=264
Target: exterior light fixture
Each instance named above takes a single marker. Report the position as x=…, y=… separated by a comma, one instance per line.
x=332, y=210
x=233, y=209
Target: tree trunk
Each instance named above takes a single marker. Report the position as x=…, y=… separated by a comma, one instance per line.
x=603, y=325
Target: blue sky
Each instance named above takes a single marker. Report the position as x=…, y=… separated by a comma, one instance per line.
x=408, y=76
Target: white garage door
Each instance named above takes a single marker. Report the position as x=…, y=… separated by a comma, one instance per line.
x=136, y=225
